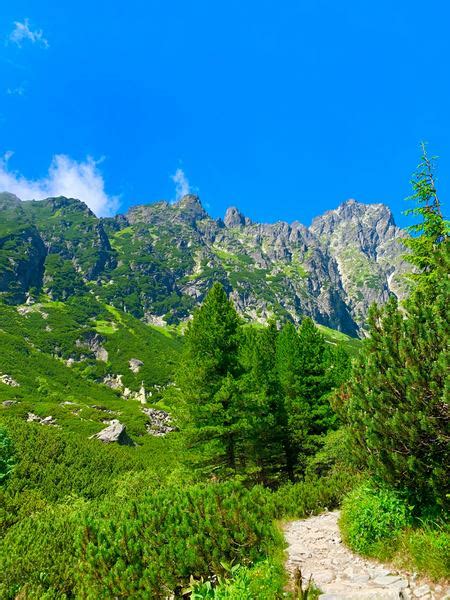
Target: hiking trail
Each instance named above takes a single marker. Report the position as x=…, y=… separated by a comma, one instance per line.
x=315, y=546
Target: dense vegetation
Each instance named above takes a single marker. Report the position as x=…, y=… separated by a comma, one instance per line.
x=254, y=402
x=67, y=499
x=274, y=422
x=396, y=408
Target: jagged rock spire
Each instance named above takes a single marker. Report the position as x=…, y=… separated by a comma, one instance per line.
x=234, y=218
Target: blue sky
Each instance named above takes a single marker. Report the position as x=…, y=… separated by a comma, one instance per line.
x=284, y=109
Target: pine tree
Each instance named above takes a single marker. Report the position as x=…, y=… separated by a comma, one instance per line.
x=264, y=403
x=305, y=384
x=287, y=364
x=315, y=383
x=212, y=411
x=396, y=404
x=429, y=240
x=338, y=365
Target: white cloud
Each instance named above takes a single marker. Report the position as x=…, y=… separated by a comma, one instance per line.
x=66, y=177
x=16, y=91
x=182, y=187
x=22, y=32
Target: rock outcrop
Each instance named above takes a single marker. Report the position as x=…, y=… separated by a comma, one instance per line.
x=32, y=418
x=94, y=343
x=114, y=433
x=8, y=380
x=234, y=218
x=160, y=422
x=135, y=365
x=113, y=381
x=141, y=396
x=8, y=403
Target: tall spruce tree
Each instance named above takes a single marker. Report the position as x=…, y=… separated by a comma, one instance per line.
x=397, y=402
x=316, y=383
x=265, y=403
x=212, y=412
x=287, y=364
x=429, y=236
x=304, y=383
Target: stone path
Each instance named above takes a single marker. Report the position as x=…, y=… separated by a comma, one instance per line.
x=315, y=546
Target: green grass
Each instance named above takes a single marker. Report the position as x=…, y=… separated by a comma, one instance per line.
x=105, y=327
x=332, y=336
x=377, y=523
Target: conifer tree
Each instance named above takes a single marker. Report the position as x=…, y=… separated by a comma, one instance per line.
x=304, y=384
x=287, y=364
x=264, y=403
x=315, y=383
x=429, y=236
x=212, y=411
x=397, y=401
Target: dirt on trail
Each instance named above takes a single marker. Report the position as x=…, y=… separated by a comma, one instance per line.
x=316, y=548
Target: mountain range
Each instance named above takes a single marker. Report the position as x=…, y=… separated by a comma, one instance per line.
x=158, y=260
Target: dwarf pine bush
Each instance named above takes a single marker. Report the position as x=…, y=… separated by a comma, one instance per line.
x=153, y=547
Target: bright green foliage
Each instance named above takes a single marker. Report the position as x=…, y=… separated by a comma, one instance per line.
x=432, y=230
x=312, y=495
x=151, y=549
x=52, y=465
x=213, y=413
x=426, y=550
x=6, y=455
x=304, y=383
x=395, y=404
x=265, y=580
x=335, y=455
x=267, y=413
x=372, y=516
x=37, y=555
x=377, y=522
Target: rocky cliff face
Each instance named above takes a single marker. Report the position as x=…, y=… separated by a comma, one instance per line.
x=159, y=260
x=366, y=246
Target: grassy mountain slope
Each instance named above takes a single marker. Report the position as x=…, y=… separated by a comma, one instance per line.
x=50, y=349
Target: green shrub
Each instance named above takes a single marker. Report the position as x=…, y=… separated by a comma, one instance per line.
x=151, y=548
x=264, y=580
x=372, y=518
x=59, y=463
x=6, y=455
x=37, y=555
x=426, y=550
x=313, y=495
x=334, y=455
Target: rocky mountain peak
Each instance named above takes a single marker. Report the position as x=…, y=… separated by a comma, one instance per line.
x=190, y=204
x=159, y=260
x=352, y=211
x=234, y=218
x=60, y=203
x=8, y=200
x=190, y=208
